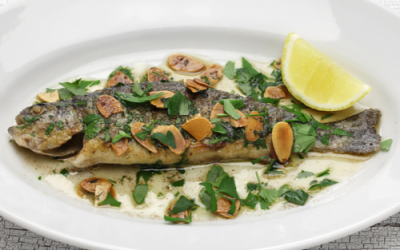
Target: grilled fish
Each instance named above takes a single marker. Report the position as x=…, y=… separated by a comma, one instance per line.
x=66, y=137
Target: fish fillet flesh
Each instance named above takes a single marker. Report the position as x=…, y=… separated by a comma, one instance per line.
x=69, y=142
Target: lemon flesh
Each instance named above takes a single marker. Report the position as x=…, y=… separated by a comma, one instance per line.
x=317, y=81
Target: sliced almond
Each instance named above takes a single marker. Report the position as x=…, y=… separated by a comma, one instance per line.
x=90, y=184
x=213, y=73
x=108, y=105
x=285, y=90
x=277, y=64
x=120, y=147
x=193, y=86
x=223, y=206
x=155, y=74
x=119, y=77
x=254, y=125
x=274, y=92
x=181, y=215
x=100, y=194
x=159, y=101
x=241, y=122
x=218, y=109
x=282, y=141
x=180, y=141
x=137, y=128
x=185, y=64
x=198, y=127
x=49, y=97
x=202, y=83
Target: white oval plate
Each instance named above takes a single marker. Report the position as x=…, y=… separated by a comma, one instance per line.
x=46, y=41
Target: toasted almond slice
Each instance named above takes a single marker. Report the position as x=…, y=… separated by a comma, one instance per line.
x=108, y=105
x=49, y=97
x=181, y=215
x=185, y=64
x=193, y=85
x=274, y=92
x=159, y=101
x=117, y=78
x=136, y=128
x=218, y=109
x=223, y=206
x=100, y=194
x=202, y=83
x=277, y=64
x=282, y=141
x=180, y=141
x=153, y=75
x=90, y=184
x=254, y=125
x=194, y=90
x=241, y=122
x=120, y=147
x=284, y=89
x=213, y=73
x=198, y=127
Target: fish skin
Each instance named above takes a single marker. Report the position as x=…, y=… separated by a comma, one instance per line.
x=97, y=151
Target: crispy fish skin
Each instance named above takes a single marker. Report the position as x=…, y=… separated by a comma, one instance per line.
x=96, y=151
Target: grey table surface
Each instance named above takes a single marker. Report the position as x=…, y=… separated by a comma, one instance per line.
x=384, y=235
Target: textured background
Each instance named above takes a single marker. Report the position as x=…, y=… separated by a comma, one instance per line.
x=384, y=235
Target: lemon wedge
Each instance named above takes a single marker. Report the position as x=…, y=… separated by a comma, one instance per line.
x=314, y=79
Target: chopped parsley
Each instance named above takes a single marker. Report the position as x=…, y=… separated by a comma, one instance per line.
x=121, y=134
x=64, y=172
x=49, y=128
x=385, y=145
x=298, y=197
x=304, y=174
x=324, y=183
x=60, y=124
x=91, y=121
x=326, y=116
x=252, y=187
x=182, y=204
x=179, y=105
x=179, y=183
x=230, y=109
x=109, y=200
x=259, y=159
x=229, y=70
x=40, y=178
x=219, y=129
x=140, y=192
x=146, y=130
x=167, y=139
x=29, y=120
x=338, y=131
x=71, y=89
x=323, y=173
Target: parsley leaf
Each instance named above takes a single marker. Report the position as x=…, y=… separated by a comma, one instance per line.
x=325, y=139
x=229, y=70
x=304, y=174
x=323, y=173
x=140, y=192
x=110, y=201
x=64, y=172
x=121, y=134
x=324, y=183
x=385, y=145
x=249, y=67
x=259, y=159
x=216, y=175
x=179, y=183
x=252, y=187
x=214, y=120
x=219, y=129
x=228, y=187
x=338, y=131
x=326, y=116
x=172, y=219
x=125, y=70
x=167, y=139
x=230, y=109
x=129, y=99
x=298, y=197
x=49, y=128
x=29, y=120
x=178, y=104
x=250, y=201
x=182, y=204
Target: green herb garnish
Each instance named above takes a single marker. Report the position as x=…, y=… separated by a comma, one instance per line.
x=167, y=139
x=29, y=120
x=323, y=173
x=64, y=172
x=324, y=183
x=385, y=145
x=304, y=174
x=140, y=192
x=298, y=197
x=179, y=183
x=109, y=200
x=338, y=131
x=121, y=134
x=49, y=128
x=229, y=70
x=182, y=204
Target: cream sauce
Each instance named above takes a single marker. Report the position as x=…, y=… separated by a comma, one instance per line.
x=342, y=168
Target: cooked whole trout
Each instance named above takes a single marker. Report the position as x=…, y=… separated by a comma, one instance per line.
x=66, y=138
